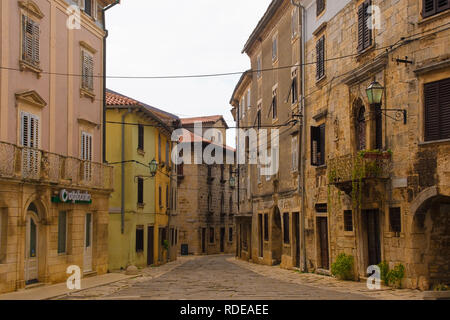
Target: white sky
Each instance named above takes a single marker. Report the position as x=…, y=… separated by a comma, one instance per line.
x=153, y=38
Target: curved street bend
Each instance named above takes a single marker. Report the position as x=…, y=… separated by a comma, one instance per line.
x=222, y=277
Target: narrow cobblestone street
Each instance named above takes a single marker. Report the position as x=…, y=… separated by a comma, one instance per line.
x=222, y=277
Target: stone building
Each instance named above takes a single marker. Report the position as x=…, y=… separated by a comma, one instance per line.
x=391, y=205
x=376, y=180
x=54, y=188
x=267, y=98
x=206, y=192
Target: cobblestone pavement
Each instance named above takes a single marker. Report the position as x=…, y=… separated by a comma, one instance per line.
x=225, y=278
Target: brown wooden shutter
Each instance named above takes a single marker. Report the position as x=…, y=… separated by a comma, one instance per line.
x=361, y=22
x=320, y=53
x=431, y=99
x=442, y=5
x=444, y=108
x=428, y=8
x=36, y=45
x=320, y=6
x=367, y=31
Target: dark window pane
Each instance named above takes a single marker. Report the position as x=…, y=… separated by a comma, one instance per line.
x=395, y=219
x=286, y=236
x=348, y=220
x=139, y=239
x=62, y=232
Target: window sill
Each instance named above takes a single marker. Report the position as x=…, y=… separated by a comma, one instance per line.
x=24, y=65
x=435, y=17
x=87, y=93
x=349, y=233
x=141, y=205
x=141, y=152
x=426, y=143
x=320, y=81
x=366, y=51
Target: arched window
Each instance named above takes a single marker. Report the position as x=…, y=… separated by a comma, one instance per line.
x=360, y=128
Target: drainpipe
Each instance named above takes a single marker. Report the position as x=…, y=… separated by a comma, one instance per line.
x=104, y=77
x=302, y=141
x=122, y=199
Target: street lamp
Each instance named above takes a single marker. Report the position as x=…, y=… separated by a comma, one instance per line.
x=153, y=165
x=375, y=93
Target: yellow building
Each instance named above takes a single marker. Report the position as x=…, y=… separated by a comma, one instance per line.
x=141, y=231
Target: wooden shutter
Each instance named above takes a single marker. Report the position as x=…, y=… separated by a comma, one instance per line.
x=431, y=99
x=428, y=8
x=36, y=52
x=320, y=56
x=87, y=70
x=25, y=130
x=442, y=5
x=315, y=144
x=364, y=33
x=361, y=22
x=28, y=37
x=322, y=145
x=444, y=108
x=320, y=6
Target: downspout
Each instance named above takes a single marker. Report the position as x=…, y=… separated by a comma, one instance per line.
x=302, y=141
x=122, y=189
x=104, y=77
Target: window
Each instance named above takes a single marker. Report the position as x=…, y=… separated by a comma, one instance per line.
x=87, y=71
x=395, y=219
x=258, y=67
x=167, y=197
x=30, y=136
x=258, y=119
x=320, y=58
x=167, y=154
x=139, y=239
x=222, y=203
x=62, y=232
x=266, y=227
x=274, y=104
x=210, y=204
x=348, y=220
x=249, y=98
x=3, y=234
x=140, y=191
x=286, y=236
x=176, y=236
x=231, y=204
x=294, y=88
x=160, y=197
x=294, y=23
x=86, y=154
x=230, y=234
x=432, y=7
x=140, y=137
x=320, y=6
x=437, y=110
x=242, y=106
x=211, y=235
x=274, y=48
x=222, y=173
x=30, y=41
x=88, y=7
x=361, y=129
x=159, y=149
x=294, y=152
x=364, y=32
x=318, y=145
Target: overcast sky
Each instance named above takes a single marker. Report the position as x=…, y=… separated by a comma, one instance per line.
x=153, y=38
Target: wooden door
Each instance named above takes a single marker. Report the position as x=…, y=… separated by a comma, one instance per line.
x=150, y=245
x=88, y=243
x=222, y=239
x=31, y=250
x=322, y=226
x=372, y=222
x=203, y=240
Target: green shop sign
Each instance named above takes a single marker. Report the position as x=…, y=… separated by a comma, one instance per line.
x=75, y=197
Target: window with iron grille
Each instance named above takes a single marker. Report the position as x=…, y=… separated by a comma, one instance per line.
x=30, y=41
x=140, y=182
x=320, y=6
x=139, y=239
x=318, y=145
x=140, y=137
x=437, y=110
x=432, y=7
x=364, y=32
x=320, y=58
x=286, y=236
x=266, y=227
x=395, y=219
x=348, y=220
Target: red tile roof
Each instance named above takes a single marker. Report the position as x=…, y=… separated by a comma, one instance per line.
x=116, y=99
x=187, y=121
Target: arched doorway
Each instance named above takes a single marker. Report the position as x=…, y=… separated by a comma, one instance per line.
x=277, y=244
x=32, y=252
x=431, y=226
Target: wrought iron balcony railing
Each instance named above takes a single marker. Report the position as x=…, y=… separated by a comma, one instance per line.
x=36, y=165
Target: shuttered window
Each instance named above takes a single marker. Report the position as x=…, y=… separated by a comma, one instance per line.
x=30, y=136
x=320, y=57
x=364, y=33
x=432, y=7
x=140, y=137
x=140, y=192
x=318, y=145
x=30, y=41
x=320, y=6
x=437, y=110
x=87, y=72
x=86, y=154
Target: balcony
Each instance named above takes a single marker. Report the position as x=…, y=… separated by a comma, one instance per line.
x=20, y=163
x=344, y=171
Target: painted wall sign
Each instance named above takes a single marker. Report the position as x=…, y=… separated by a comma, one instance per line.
x=76, y=196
